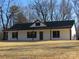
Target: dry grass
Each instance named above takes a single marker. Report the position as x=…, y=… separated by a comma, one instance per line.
x=40, y=50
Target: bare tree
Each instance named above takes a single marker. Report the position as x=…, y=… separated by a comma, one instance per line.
x=4, y=12
x=65, y=10
x=17, y=15
x=76, y=8
x=52, y=9
x=6, y=15
x=1, y=12
x=29, y=13
x=44, y=10
x=41, y=8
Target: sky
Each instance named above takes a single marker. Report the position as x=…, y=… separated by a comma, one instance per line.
x=27, y=2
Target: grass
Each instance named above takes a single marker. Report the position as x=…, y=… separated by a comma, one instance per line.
x=40, y=50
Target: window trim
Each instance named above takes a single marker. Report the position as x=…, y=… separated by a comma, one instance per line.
x=15, y=35
x=37, y=24
x=56, y=34
x=32, y=34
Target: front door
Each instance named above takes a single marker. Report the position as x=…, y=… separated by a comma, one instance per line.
x=41, y=35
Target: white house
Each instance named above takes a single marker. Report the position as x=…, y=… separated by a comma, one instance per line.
x=54, y=30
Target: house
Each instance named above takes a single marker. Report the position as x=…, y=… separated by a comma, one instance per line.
x=53, y=30
x=1, y=35
x=77, y=30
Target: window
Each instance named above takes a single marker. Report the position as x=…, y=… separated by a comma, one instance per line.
x=14, y=34
x=31, y=34
x=56, y=34
x=37, y=24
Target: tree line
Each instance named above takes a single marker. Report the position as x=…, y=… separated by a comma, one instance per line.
x=44, y=10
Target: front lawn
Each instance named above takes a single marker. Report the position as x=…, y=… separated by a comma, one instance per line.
x=40, y=50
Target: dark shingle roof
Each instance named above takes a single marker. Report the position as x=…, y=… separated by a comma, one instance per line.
x=53, y=24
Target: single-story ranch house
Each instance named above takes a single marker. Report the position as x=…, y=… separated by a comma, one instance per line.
x=52, y=30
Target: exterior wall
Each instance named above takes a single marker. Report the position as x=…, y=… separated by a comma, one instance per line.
x=73, y=33
x=22, y=35
x=64, y=34
x=10, y=35
x=1, y=35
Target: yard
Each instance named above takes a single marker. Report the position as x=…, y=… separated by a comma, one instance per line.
x=40, y=50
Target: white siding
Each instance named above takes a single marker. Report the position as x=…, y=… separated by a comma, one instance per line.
x=22, y=35
x=10, y=36
x=64, y=34
x=73, y=32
